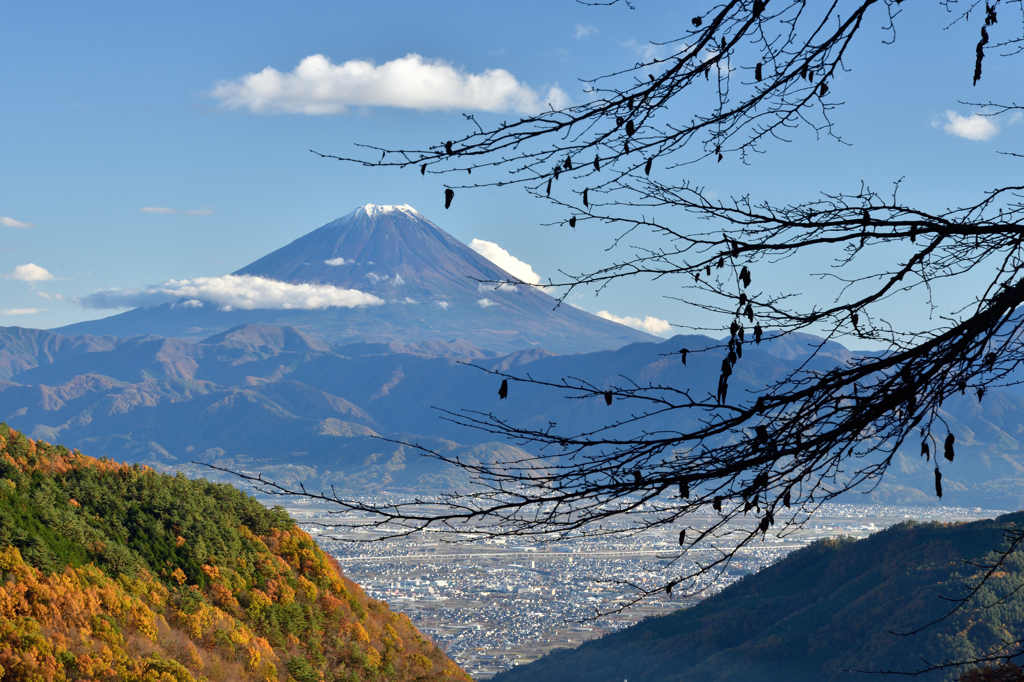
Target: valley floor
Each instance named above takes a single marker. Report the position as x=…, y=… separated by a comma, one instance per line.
x=493, y=604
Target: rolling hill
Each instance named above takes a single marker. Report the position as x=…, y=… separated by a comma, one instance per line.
x=111, y=571
x=820, y=613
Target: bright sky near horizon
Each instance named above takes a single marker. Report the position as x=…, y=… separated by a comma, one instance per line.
x=143, y=142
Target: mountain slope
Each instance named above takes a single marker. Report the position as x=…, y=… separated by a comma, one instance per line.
x=820, y=612
x=271, y=399
x=116, y=572
x=431, y=283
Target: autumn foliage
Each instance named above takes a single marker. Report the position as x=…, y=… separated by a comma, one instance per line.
x=116, y=572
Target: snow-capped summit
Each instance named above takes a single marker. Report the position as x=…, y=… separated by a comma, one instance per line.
x=373, y=209
x=433, y=287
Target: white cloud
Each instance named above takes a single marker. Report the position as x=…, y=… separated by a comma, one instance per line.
x=485, y=303
x=11, y=222
x=506, y=261
x=30, y=272
x=234, y=291
x=443, y=305
x=339, y=261
x=165, y=209
x=487, y=288
x=584, y=31
x=651, y=325
x=973, y=127
x=318, y=87
x=20, y=311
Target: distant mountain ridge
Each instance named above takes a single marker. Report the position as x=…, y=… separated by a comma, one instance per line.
x=276, y=400
x=433, y=285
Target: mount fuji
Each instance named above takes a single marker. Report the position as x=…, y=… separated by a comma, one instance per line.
x=430, y=286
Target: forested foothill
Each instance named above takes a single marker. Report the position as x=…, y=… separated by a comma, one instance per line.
x=114, y=571
x=834, y=607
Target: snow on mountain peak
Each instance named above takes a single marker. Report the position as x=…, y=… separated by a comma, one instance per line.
x=373, y=209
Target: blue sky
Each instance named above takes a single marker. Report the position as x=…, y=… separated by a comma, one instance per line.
x=111, y=108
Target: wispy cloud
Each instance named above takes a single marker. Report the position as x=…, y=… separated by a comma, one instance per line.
x=973, y=127
x=506, y=261
x=485, y=303
x=11, y=222
x=20, y=311
x=651, y=325
x=29, y=272
x=229, y=292
x=318, y=87
x=165, y=209
x=584, y=31
x=339, y=261
x=443, y=305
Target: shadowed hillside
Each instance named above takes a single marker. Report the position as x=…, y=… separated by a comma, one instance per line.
x=819, y=613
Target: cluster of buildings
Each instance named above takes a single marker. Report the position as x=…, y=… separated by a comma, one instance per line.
x=497, y=602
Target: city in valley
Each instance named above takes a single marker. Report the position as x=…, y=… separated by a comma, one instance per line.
x=502, y=601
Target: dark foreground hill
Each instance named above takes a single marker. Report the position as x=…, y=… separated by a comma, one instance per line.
x=116, y=572
x=822, y=611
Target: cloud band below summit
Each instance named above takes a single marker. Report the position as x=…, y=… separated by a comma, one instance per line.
x=229, y=292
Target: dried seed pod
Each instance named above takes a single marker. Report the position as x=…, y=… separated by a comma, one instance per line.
x=572, y=221
x=448, y=148
x=647, y=167
x=757, y=72
x=950, y=439
x=607, y=397
x=449, y=194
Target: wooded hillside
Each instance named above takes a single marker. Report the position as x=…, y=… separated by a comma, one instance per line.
x=111, y=571
x=822, y=612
